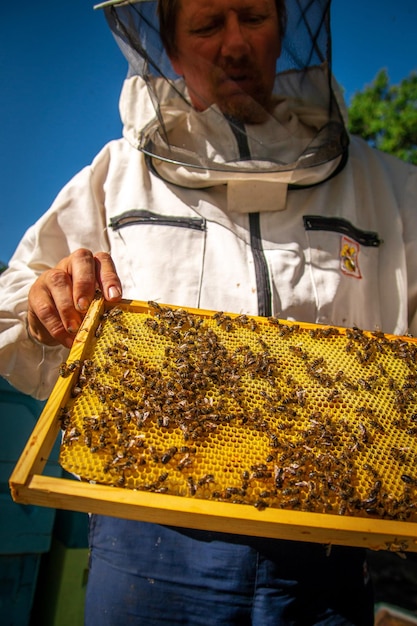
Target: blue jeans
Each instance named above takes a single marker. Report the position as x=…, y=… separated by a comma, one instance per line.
x=146, y=574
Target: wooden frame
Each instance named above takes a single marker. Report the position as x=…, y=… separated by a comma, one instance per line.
x=30, y=486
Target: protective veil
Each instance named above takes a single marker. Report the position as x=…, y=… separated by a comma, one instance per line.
x=302, y=140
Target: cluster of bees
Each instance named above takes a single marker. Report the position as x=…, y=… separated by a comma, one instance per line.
x=246, y=410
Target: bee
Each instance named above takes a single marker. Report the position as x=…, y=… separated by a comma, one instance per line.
x=333, y=395
x=260, y=473
x=409, y=480
x=192, y=487
x=167, y=456
x=274, y=320
x=242, y=320
x=376, y=426
x=378, y=334
x=65, y=369
x=253, y=324
x=155, y=306
x=99, y=330
x=151, y=323
x=274, y=443
x=224, y=321
x=316, y=363
x=355, y=333
x=121, y=480
x=260, y=505
x=298, y=351
x=265, y=494
x=73, y=435
x=76, y=390
x=113, y=313
x=381, y=369
x=364, y=384
x=363, y=433
x=328, y=332
x=164, y=421
x=370, y=469
x=350, y=386
x=349, y=346
x=233, y=491
x=205, y=480
x=294, y=503
x=278, y=477
x=162, y=478
x=184, y=462
x=402, y=398
x=65, y=417
x=399, y=454
x=398, y=547
x=154, y=454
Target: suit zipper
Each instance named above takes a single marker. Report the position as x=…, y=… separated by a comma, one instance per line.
x=343, y=226
x=142, y=216
x=263, y=283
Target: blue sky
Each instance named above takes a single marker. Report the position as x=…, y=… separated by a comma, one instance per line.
x=61, y=74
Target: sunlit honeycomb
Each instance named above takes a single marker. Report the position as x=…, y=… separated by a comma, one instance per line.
x=245, y=410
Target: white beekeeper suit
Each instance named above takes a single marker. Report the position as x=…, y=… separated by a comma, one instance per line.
x=316, y=243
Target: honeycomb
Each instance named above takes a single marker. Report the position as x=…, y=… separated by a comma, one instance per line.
x=244, y=409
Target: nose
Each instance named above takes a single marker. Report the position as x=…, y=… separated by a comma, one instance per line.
x=234, y=42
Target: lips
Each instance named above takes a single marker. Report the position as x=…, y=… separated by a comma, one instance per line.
x=236, y=75
x=242, y=76
x=238, y=86
x=237, y=78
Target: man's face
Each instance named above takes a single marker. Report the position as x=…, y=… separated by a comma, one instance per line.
x=226, y=50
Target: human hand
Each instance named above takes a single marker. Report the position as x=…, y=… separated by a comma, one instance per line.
x=59, y=298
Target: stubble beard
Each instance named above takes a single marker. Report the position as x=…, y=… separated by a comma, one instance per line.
x=248, y=108
x=245, y=109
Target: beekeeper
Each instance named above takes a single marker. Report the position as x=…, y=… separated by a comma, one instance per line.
x=235, y=187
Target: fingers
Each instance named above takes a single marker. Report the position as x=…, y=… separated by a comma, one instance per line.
x=52, y=318
x=108, y=280
x=81, y=268
x=60, y=297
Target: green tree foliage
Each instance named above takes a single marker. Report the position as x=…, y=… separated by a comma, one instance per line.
x=386, y=115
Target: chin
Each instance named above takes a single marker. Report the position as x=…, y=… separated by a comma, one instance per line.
x=245, y=109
